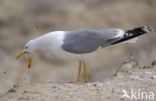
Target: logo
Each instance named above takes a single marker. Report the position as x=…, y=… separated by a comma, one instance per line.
x=138, y=94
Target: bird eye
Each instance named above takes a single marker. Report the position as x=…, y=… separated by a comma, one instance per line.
x=25, y=47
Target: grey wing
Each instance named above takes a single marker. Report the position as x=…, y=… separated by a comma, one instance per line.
x=87, y=40
x=111, y=35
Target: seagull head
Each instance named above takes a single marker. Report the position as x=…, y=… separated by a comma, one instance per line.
x=29, y=49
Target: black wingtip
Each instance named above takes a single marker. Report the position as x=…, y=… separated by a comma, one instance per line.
x=146, y=29
x=135, y=33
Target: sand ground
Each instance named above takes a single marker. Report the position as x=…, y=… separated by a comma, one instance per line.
x=130, y=78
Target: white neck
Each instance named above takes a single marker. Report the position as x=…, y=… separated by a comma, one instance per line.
x=47, y=41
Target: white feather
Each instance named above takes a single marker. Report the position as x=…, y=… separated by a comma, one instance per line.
x=120, y=33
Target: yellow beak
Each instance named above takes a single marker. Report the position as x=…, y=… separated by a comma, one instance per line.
x=23, y=53
x=29, y=63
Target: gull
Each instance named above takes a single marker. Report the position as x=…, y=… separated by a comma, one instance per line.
x=78, y=45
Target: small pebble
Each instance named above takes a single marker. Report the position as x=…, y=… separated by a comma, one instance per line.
x=153, y=77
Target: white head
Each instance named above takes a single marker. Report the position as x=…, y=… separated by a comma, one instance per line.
x=29, y=49
x=41, y=43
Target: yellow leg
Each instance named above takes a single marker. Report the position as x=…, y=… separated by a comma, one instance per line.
x=79, y=73
x=85, y=72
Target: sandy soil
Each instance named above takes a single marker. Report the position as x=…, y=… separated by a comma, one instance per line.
x=128, y=78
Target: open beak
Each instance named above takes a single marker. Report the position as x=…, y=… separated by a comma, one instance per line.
x=21, y=54
x=29, y=61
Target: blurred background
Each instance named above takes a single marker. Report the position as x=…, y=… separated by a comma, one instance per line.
x=23, y=20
